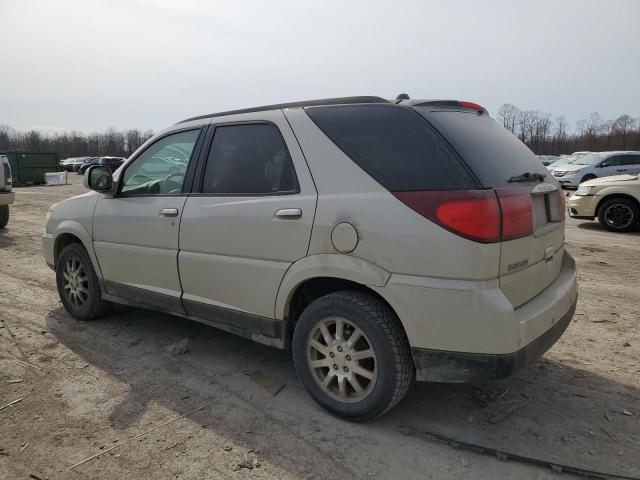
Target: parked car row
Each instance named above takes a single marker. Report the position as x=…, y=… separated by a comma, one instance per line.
x=80, y=164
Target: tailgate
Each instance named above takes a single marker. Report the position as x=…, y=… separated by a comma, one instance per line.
x=529, y=264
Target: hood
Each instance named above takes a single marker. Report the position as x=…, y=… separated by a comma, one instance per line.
x=570, y=167
x=610, y=180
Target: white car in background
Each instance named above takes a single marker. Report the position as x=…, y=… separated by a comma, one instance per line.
x=594, y=165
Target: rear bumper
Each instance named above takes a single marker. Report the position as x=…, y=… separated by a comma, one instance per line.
x=440, y=366
x=6, y=198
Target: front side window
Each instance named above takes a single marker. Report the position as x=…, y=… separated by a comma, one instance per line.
x=162, y=167
x=615, y=161
x=249, y=159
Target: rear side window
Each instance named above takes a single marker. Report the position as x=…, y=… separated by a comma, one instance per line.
x=631, y=160
x=249, y=160
x=394, y=146
x=493, y=153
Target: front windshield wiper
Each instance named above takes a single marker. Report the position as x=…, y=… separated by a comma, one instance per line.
x=527, y=177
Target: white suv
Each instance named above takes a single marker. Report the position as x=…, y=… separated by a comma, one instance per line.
x=383, y=241
x=594, y=165
x=6, y=195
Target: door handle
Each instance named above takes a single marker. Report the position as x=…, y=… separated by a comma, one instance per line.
x=169, y=212
x=622, y=169
x=288, y=213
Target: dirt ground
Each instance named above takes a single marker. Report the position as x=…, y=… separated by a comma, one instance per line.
x=86, y=387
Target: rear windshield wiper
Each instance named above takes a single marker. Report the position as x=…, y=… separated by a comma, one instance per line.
x=527, y=177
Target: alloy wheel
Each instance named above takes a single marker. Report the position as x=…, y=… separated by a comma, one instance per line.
x=342, y=360
x=618, y=215
x=76, y=282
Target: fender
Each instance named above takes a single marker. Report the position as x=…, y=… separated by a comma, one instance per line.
x=76, y=229
x=617, y=190
x=326, y=265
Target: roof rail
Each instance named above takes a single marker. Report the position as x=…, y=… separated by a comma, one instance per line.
x=307, y=103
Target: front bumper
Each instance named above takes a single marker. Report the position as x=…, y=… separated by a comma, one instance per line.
x=440, y=366
x=583, y=206
x=48, y=243
x=568, y=181
x=6, y=198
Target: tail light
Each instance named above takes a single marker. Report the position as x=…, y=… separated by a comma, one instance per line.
x=517, y=212
x=485, y=216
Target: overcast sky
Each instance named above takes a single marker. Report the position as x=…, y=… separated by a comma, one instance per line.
x=92, y=64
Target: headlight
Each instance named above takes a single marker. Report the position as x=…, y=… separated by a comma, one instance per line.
x=584, y=190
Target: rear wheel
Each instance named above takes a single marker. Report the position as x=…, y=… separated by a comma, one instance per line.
x=4, y=215
x=78, y=285
x=352, y=355
x=619, y=214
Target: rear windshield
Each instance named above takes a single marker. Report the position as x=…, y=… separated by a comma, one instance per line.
x=493, y=153
x=394, y=146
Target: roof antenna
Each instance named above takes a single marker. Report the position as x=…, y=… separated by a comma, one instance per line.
x=401, y=97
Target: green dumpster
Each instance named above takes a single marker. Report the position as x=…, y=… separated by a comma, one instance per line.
x=30, y=167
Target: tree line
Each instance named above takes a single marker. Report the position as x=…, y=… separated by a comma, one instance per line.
x=552, y=136
x=112, y=142
x=540, y=131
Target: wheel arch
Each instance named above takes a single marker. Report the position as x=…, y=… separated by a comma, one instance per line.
x=72, y=232
x=319, y=275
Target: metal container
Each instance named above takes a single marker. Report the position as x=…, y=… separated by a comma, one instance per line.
x=29, y=167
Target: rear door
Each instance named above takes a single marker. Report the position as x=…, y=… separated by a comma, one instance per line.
x=630, y=164
x=528, y=262
x=248, y=220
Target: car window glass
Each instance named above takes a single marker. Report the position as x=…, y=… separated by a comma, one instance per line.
x=394, y=146
x=614, y=161
x=631, y=160
x=162, y=167
x=249, y=160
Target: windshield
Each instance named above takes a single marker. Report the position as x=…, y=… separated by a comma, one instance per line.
x=590, y=159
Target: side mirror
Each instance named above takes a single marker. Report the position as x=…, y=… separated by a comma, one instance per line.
x=603, y=164
x=98, y=178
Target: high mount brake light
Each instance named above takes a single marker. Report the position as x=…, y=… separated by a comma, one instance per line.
x=473, y=106
x=485, y=216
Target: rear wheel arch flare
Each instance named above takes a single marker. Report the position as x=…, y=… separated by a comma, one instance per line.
x=313, y=288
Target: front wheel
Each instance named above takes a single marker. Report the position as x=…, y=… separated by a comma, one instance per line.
x=4, y=215
x=78, y=285
x=619, y=214
x=588, y=177
x=352, y=355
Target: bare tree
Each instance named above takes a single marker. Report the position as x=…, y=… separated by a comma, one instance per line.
x=624, y=126
x=510, y=116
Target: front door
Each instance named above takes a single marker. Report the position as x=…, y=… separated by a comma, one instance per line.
x=135, y=233
x=249, y=222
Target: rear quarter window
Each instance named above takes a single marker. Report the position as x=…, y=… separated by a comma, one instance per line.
x=396, y=147
x=493, y=153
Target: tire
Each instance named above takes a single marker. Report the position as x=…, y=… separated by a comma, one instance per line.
x=389, y=371
x=85, y=303
x=588, y=177
x=619, y=214
x=4, y=215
